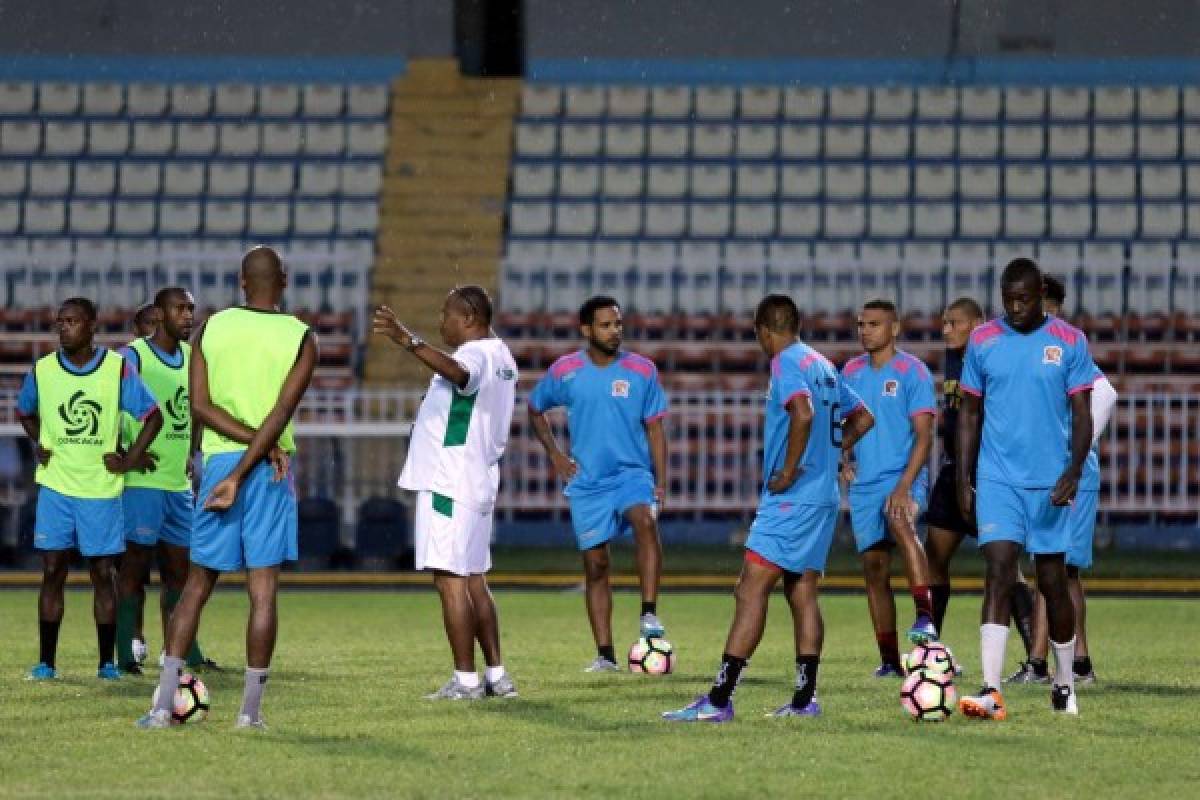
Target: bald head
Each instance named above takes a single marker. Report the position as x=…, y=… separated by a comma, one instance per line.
x=263, y=277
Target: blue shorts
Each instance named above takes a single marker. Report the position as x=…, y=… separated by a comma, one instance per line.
x=1083, y=528
x=95, y=526
x=866, y=509
x=1025, y=516
x=157, y=515
x=598, y=517
x=258, y=531
x=793, y=538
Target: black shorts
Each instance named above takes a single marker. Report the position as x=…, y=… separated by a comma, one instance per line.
x=943, y=504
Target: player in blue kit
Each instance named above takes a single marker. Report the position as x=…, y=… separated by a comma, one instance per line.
x=616, y=473
x=889, y=484
x=1032, y=376
x=812, y=417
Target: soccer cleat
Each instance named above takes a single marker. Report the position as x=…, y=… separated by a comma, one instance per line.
x=139, y=651
x=453, y=690
x=1062, y=700
x=888, y=671
x=244, y=722
x=108, y=672
x=922, y=630
x=602, y=664
x=42, y=672
x=1087, y=679
x=652, y=627
x=162, y=657
x=154, y=719
x=988, y=704
x=813, y=709
x=1027, y=673
x=504, y=686
x=700, y=710
x=131, y=669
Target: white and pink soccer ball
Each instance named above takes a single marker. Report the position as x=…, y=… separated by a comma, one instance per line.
x=928, y=696
x=652, y=656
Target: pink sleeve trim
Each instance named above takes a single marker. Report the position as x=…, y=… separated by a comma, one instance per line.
x=1083, y=387
x=854, y=410
x=794, y=395
x=657, y=416
x=930, y=411
x=970, y=390
x=149, y=411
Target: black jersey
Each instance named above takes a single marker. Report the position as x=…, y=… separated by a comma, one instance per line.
x=951, y=399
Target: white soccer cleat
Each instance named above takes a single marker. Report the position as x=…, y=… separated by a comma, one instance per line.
x=504, y=686
x=453, y=690
x=244, y=721
x=139, y=651
x=652, y=627
x=602, y=664
x=154, y=719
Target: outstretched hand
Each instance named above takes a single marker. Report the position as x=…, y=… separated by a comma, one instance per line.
x=385, y=322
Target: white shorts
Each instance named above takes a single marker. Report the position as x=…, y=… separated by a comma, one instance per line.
x=451, y=537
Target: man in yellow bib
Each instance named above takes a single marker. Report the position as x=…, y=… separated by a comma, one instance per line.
x=158, y=500
x=70, y=405
x=250, y=367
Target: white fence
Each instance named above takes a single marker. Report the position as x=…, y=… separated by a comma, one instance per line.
x=352, y=445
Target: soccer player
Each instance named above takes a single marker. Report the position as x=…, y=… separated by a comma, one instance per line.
x=250, y=367
x=616, y=472
x=1032, y=376
x=890, y=478
x=453, y=465
x=158, y=501
x=807, y=405
x=69, y=405
x=1083, y=528
x=146, y=320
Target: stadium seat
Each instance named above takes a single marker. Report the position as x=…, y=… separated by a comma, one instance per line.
x=888, y=221
x=1116, y=220
x=146, y=99
x=321, y=100
x=366, y=139
x=191, y=99
x=979, y=103
x=234, y=100
x=575, y=219
x=756, y=181
x=1023, y=141
x=754, y=220
x=620, y=219
x=1024, y=103
x=269, y=219
x=708, y=220
x=313, y=218
x=44, y=217
x=1069, y=141
x=979, y=182
x=622, y=180
x=711, y=181
x=879, y=268
x=1113, y=141
x=845, y=181
x=844, y=220
x=759, y=102
x=584, y=101
x=357, y=217
x=95, y=178
x=541, y=100
x=652, y=291
x=10, y=217
x=49, y=178
x=968, y=272
x=803, y=103
x=936, y=103
x=580, y=140
x=224, y=218
x=934, y=181
x=1024, y=182
x=273, y=180
x=790, y=270
x=1024, y=220
x=1116, y=182
x=1191, y=142
x=1070, y=182
x=892, y=103
x=850, y=103
x=183, y=178
x=367, y=100
x=715, y=102
x=697, y=285
x=108, y=138
x=835, y=278
x=13, y=178
x=666, y=181
x=978, y=141
x=1193, y=181
x=888, y=141
x=16, y=98
x=1070, y=220
x=800, y=180
x=626, y=102
x=533, y=180
x=58, y=99
x=888, y=182
x=1158, y=141
x=134, y=218
x=282, y=138
x=1162, y=221
x=238, y=139
x=665, y=219
x=279, y=100
x=103, y=99
x=64, y=138
x=530, y=219
x=153, y=139
x=578, y=180
x=934, y=141
x=670, y=102
x=1185, y=283
x=800, y=141
x=799, y=220
x=324, y=138
x=979, y=220
x=1070, y=103
x=845, y=141
x=712, y=141
x=228, y=178
x=624, y=141
x=933, y=220
x=757, y=141
x=1150, y=267
x=1161, y=181
x=179, y=218
x=668, y=141
x=89, y=217
x=1061, y=259
x=1113, y=103
x=195, y=139
x=922, y=288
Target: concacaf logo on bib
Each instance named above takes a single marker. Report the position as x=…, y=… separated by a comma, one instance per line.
x=890, y=387
x=620, y=388
x=1052, y=354
x=177, y=410
x=81, y=415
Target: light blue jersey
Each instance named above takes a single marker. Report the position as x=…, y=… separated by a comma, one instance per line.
x=607, y=411
x=895, y=394
x=1026, y=380
x=800, y=371
x=1090, y=479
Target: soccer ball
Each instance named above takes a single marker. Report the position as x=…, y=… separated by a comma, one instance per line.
x=932, y=657
x=139, y=651
x=191, y=700
x=928, y=696
x=653, y=656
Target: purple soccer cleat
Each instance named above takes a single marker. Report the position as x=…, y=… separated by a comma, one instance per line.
x=922, y=630
x=813, y=709
x=700, y=710
x=888, y=671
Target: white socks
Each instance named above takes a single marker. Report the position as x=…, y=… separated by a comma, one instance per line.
x=1064, y=658
x=993, y=640
x=168, y=682
x=467, y=679
x=493, y=674
x=256, y=682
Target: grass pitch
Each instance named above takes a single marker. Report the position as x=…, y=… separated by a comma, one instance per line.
x=348, y=719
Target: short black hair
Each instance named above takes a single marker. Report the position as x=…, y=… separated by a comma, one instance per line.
x=143, y=310
x=83, y=304
x=879, y=304
x=778, y=314
x=477, y=301
x=163, y=296
x=1056, y=290
x=967, y=305
x=587, y=311
x=1021, y=269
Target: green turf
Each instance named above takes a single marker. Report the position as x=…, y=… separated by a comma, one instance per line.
x=347, y=718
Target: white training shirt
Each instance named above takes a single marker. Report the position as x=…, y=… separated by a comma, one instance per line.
x=460, y=435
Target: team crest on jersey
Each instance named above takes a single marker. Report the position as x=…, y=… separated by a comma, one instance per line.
x=890, y=387
x=505, y=374
x=620, y=388
x=1052, y=354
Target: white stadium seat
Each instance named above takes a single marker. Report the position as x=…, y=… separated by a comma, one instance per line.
x=620, y=219
x=191, y=99
x=282, y=138
x=1024, y=182
x=224, y=218
x=1191, y=102
x=1113, y=103
x=757, y=141
x=1161, y=221
x=978, y=182
x=759, y=102
x=845, y=141
x=801, y=220
x=89, y=217
x=624, y=141
x=1150, y=267
x=979, y=220
x=575, y=219
x=712, y=181
x=324, y=138
x=273, y=180
x=16, y=98
x=1070, y=182
x=712, y=141
x=139, y=179
x=628, y=102
x=889, y=181
x=845, y=181
x=58, y=99
x=1193, y=181
x=64, y=138
x=13, y=177
x=1113, y=141
x=153, y=138
x=313, y=218
x=665, y=219
x=95, y=178
x=235, y=100
x=1024, y=220
x=580, y=140
x=50, y=178
x=195, y=138
x=892, y=103
x=530, y=218
x=978, y=141
x=715, y=102
x=1158, y=141
x=1023, y=141
x=935, y=181
x=756, y=181
x=803, y=103
x=108, y=138
x=1116, y=220
x=1161, y=181
x=183, y=178
x=146, y=99
x=584, y=101
x=1157, y=102
x=622, y=180
x=44, y=217
x=1070, y=103
x=934, y=141
x=134, y=217
x=269, y=219
x=318, y=179
x=937, y=102
x=800, y=141
x=844, y=220
x=754, y=219
x=228, y=178
x=1191, y=141
x=800, y=180
x=103, y=99
x=579, y=180
x=367, y=99
x=670, y=102
x=979, y=103
x=1069, y=141
x=1116, y=182
x=322, y=100
x=10, y=221
x=848, y=102
x=533, y=180
x=366, y=138
x=1024, y=103
x=20, y=138
x=889, y=220
x=668, y=141
x=279, y=100
x=541, y=100
x=238, y=139
x=888, y=141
